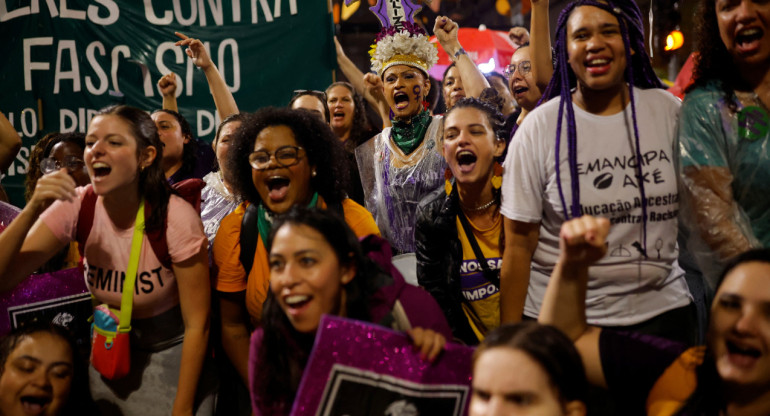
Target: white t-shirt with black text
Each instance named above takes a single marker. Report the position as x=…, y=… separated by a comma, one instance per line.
x=624, y=287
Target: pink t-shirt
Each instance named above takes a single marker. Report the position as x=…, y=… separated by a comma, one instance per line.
x=108, y=248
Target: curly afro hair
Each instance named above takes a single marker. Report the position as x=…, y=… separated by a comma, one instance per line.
x=324, y=151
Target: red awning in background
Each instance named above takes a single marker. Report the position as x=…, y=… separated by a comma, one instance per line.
x=490, y=49
x=684, y=79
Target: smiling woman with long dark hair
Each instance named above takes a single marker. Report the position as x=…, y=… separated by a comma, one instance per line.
x=317, y=267
x=459, y=227
x=170, y=307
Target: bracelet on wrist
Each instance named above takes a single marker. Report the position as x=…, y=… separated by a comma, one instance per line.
x=459, y=52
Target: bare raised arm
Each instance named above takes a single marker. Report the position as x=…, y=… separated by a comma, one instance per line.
x=28, y=243
x=167, y=85
x=223, y=98
x=10, y=142
x=365, y=84
x=373, y=88
x=518, y=35
x=540, y=44
x=582, y=242
x=473, y=80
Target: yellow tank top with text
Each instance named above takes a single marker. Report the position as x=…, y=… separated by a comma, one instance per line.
x=481, y=294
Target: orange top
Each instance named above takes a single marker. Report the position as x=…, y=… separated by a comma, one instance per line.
x=227, y=250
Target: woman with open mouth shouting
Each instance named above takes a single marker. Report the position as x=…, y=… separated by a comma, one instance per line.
x=349, y=122
x=730, y=375
x=130, y=204
x=724, y=136
x=603, y=145
x=318, y=267
x=278, y=158
x=459, y=228
x=531, y=66
x=403, y=164
x=42, y=373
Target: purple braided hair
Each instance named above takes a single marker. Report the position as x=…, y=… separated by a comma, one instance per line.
x=630, y=21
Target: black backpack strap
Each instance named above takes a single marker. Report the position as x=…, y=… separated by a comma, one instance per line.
x=491, y=275
x=336, y=207
x=250, y=232
x=249, y=237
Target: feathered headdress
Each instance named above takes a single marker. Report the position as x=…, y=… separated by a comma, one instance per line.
x=401, y=41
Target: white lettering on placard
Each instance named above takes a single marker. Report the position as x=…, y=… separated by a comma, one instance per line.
x=91, y=13
x=73, y=73
x=230, y=42
x=30, y=66
x=149, y=14
x=178, y=58
x=104, y=82
x=208, y=118
x=116, y=53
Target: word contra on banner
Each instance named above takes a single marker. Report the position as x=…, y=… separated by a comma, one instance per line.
x=68, y=58
x=163, y=16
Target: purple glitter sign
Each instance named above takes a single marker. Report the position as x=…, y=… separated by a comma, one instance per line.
x=358, y=368
x=61, y=297
x=7, y=213
x=393, y=12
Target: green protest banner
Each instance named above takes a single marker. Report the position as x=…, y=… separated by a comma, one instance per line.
x=62, y=60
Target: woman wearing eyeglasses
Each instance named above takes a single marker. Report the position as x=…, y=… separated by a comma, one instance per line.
x=279, y=158
x=527, y=84
x=59, y=150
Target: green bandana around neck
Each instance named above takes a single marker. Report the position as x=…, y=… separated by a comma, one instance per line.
x=265, y=218
x=409, y=134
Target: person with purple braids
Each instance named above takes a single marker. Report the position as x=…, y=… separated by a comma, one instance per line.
x=603, y=146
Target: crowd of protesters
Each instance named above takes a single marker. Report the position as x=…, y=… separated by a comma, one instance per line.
x=540, y=219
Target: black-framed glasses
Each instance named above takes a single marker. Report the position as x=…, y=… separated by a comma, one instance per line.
x=72, y=163
x=525, y=67
x=318, y=94
x=285, y=156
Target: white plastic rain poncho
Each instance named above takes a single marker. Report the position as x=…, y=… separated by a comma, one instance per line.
x=395, y=183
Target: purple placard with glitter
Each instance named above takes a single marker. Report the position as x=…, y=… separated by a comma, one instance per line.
x=7, y=213
x=358, y=368
x=48, y=290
